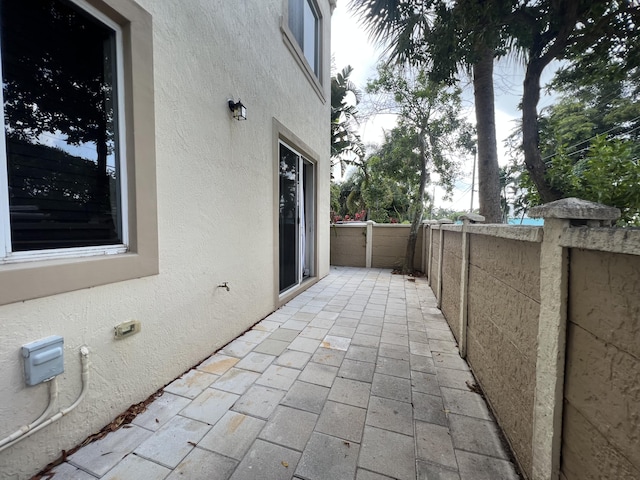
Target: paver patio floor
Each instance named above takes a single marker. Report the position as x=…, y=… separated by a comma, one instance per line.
x=357, y=378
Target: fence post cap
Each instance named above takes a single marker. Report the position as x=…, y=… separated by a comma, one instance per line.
x=445, y=220
x=575, y=209
x=471, y=218
x=370, y=222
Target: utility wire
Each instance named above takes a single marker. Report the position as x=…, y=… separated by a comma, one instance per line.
x=593, y=137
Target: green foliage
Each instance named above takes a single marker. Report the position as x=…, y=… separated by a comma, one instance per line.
x=429, y=124
x=451, y=214
x=609, y=174
x=449, y=38
x=346, y=144
x=430, y=138
x=590, y=140
x=601, y=100
x=335, y=197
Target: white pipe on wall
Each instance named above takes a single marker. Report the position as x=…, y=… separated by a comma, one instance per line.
x=53, y=396
x=40, y=422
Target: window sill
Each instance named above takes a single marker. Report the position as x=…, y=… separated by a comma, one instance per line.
x=298, y=55
x=29, y=280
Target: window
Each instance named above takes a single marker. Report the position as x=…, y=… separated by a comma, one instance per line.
x=302, y=34
x=304, y=24
x=77, y=82
x=62, y=158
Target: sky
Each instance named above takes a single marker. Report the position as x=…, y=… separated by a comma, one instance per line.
x=350, y=45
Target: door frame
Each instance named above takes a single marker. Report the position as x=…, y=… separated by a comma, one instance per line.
x=293, y=142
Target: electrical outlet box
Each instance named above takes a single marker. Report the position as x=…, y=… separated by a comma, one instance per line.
x=43, y=359
x=126, y=329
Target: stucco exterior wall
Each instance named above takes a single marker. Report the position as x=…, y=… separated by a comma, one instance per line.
x=348, y=245
x=216, y=224
x=451, y=265
x=602, y=382
x=390, y=246
x=503, y=309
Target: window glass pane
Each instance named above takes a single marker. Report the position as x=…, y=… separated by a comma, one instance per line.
x=309, y=45
x=296, y=23
x=58, y=69
x=288, y=218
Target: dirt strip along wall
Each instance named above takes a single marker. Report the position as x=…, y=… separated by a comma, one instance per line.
x=601, y=429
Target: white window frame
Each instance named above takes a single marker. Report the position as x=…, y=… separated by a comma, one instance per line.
x=6, y=255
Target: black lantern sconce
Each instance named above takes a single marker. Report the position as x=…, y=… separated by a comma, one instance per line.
x=238, y=110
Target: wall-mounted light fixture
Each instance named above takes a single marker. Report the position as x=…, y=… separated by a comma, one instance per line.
x=238, y=110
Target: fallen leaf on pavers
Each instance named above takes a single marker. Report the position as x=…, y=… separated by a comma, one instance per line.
x=120, y=420
x=411, y=279
x=474, y=387
x=285, y=464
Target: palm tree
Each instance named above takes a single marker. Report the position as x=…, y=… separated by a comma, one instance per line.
x=446, y=38
x=345, y=141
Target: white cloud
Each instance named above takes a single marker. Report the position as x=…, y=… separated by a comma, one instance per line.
x=350, y=46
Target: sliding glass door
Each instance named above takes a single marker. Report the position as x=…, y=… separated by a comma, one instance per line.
x=296, y=218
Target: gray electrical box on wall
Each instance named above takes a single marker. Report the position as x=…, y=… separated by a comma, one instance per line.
x=43, y=359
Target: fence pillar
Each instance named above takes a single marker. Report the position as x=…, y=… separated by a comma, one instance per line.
x=467, y=220
x=442, y=221
x=552, y=327
x=369, y=243
x=429, y=276
x=427, y=250
x=423, y=265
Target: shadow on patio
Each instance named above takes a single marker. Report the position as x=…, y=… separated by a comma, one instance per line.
x=358, y=377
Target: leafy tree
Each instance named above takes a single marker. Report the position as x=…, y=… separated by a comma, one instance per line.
x=609, y=174
x=600, y=100
x=370, y=189
x=335, y=200
x=445, y=33
x=594, y=128
x=430, y=131
x=349, y=194
x=448, y=38
x=378, y=194
x=449, y=213
x=580, y=32
x=345, y=141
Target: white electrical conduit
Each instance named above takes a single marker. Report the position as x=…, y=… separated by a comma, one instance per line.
x=40, y=422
